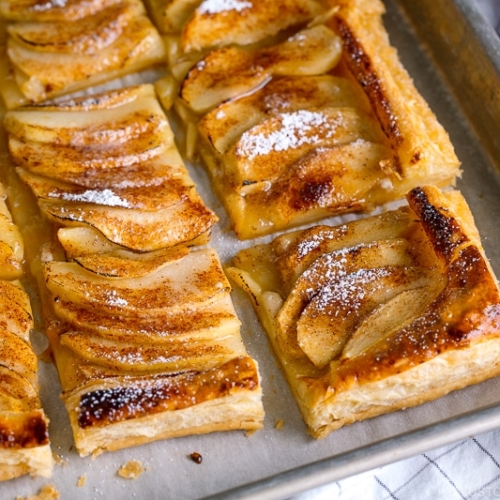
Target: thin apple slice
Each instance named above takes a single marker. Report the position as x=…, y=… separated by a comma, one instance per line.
x=146, y=356
x=11, y=243
x=240, y=22
x=17, y=355
x=387, y=318
x=15, y=309
x=329, y=269
x=296, y=251
x=82, y=241
x=138, y=230
x=223, y=125
x=171, y=16
x=195, y=281
x=18, y=387
x=216, y=320
x=268, y=149
x=230, y=72
x=329, y=319
x=160, y=196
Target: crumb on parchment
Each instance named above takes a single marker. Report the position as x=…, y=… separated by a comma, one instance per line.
x=47, y=492
x=81, y=481
x=131, y=470
x=279, y=424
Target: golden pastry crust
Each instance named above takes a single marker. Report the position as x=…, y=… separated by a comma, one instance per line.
x=58, y=49
x=378, y=314
x=322, y=119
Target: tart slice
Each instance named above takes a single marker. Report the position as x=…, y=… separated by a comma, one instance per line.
x=109, y=162
x=319, y=119
x=404, y=300
x=57, y=48
x=147, y=352
x=24, y=440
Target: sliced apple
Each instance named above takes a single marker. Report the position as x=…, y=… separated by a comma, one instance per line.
x=230, y=72
x=195, y=281
x=171, y=16
x=18, y=387
x=81, y=241
x=223, y=125
x=17, y=355
x=387, y=318
x=151, y=357
x=296, y=251
x=329, y=269
x=268, y=149
x=11, y=243
x=165, y=194
x=216, y=320
x=138, y=230
x=243, y=22
x=15, y=309
x=329, y=319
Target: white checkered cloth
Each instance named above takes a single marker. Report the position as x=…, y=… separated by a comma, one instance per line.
x=467, y=470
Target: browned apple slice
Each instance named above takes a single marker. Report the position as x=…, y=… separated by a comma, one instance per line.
x=387, y=318
x=230, y=72
x=329, y=269
x=15, y=309
x=138, y=230
x=146, y=356
x=171, y=16
x=329, y=319
x=223, y=125
x=204, y=323
x=17, y=355
x=268, y=149
x=242, y=22
x=18, y=387
x=195, y=281
x=11, y=243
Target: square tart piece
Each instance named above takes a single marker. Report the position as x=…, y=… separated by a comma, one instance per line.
x=405, y=300
x=24, y=439
x=109, y=162
x=315, y=120
x=55, y=48
x=148, y=350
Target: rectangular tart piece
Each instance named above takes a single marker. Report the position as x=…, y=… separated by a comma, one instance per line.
x=109, y=162
x=303, y=120
x=149, y=350
x=24, y=439
x=378, y=314
x=55, y=48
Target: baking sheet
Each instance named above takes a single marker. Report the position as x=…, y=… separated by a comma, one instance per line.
x=274, y=463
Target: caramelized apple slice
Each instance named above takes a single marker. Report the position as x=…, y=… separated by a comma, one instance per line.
x=147, y=356
x=331, y=268
x=268, y=149
x=329, y=319
x=195, y=281
x=230, y=72
x=223, y=125
x=171, y=16
x=138, y=230
x=15, y=309
x=18, y=387
x=213, y=321
x=215, y=24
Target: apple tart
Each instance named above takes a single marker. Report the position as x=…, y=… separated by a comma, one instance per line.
x=303, y=120
x=55, y=48
x=109, y=162
x=147, y=351
x=377, y=314
x=24, y=439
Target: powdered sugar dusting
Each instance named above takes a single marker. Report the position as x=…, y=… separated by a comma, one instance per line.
x=297, y=129
x=220, y=6
x=100, y=197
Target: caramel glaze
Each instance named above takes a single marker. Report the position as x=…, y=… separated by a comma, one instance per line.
x=166, y=393
x=23, y=430
x=466, y=311
x=362, y=69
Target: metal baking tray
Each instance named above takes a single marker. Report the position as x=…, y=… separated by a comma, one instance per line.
x=454, y=58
